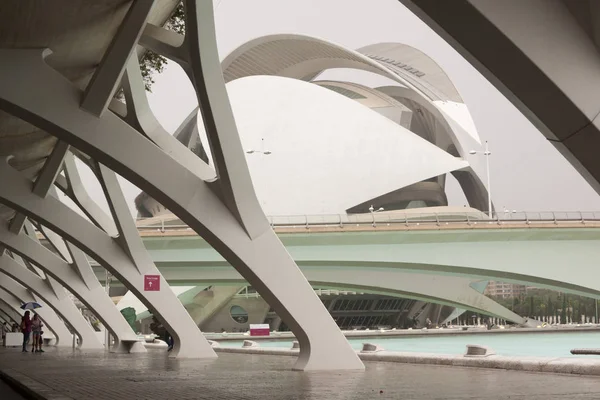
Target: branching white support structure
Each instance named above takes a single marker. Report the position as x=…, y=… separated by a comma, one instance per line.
x=79, y=278
x=46, y=313
x=126, y=258
x=101, y=89
x=225, y=211
x=58, y=300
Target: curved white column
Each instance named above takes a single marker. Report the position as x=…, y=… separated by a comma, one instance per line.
x=58, y=300
x=79, y=278
x=555, y=93
x=87, y=289
x=225, y=211
x=118, y=260
x=46, y=313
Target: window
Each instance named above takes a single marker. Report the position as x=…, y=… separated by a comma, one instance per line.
x=238, y=314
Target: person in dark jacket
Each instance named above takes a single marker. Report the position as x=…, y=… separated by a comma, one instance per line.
x=26, y=329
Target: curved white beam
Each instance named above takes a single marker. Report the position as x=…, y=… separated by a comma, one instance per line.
x=263, y=261
x=46, y=313
x=509, y=49
x=226, y=217
x=78, y=277
x=341, y=139
x=59, y=302
x=274, y=55
x=103, y=249
x=453, y=291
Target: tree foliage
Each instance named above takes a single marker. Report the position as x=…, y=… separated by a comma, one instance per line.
x=153, y=63
x=549, y=303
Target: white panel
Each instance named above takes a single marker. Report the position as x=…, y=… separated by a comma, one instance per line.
x=459, y=113
x=329, y=153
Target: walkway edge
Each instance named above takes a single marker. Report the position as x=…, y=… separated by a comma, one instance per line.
x=29, y=387
x=553, y=365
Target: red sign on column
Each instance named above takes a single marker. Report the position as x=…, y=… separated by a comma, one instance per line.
x=151, y=283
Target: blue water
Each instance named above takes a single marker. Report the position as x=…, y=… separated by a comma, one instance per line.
x=557, y=344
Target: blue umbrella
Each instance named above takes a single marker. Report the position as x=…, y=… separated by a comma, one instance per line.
x=30, y=306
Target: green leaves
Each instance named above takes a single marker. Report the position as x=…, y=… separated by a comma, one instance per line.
x=153, y=63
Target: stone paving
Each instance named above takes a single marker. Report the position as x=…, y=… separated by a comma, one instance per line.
x=64, y=374
x=7, y=393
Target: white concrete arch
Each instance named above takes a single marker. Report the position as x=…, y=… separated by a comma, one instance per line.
x=367, y=96
x=303, y=57
x=300, y=57
x=98, y=244
x=555, y=93
x=58, y=300
x=76, y=277
x=148, y=178
x=47, y=314
x=453, y=291
x=449, y=130
x=225, y=211
x=340, y=138
x=452, y=136
x=415, y=66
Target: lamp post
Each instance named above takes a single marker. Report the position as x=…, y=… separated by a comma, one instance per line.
x=262, y=149
x=487, y=154
x=373, y=211
x=263, y=152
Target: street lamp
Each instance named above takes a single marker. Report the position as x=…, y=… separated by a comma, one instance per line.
x=262, y=149
x=372, y=210
x=487, y=154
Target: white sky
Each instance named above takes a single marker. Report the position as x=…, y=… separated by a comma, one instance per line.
x=527, y=173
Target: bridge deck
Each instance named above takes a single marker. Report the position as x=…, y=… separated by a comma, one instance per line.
x=157, y=231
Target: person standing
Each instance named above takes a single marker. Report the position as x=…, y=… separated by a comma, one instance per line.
x=26, y=329
x=36, y=330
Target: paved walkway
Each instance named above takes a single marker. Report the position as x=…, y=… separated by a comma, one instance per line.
x=7, y=393
x=66, y=375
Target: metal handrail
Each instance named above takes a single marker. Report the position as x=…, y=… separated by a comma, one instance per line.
x=406, y=218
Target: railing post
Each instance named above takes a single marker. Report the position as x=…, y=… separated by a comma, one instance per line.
x=306, y=218
x=582, y=219
x=554, y=218
x=341, y=223
x=437, y=219
x=162, y=225
x=527, y=219
x=468, y=219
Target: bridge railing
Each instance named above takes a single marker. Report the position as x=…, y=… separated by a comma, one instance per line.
x=405, y=218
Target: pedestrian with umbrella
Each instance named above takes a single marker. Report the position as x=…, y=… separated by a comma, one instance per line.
x=26, y=322
x=26, y=330
x=36, y=330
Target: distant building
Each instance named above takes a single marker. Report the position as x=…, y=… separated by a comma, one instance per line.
x=505, y=290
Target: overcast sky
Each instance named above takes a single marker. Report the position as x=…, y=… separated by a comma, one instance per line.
x=527, y=173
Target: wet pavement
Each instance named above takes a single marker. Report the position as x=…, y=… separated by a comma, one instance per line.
x=7, y=393
x=64, y=374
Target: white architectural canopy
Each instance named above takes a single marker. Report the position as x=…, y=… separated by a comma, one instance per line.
x=326, y=148
x=307, y=176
